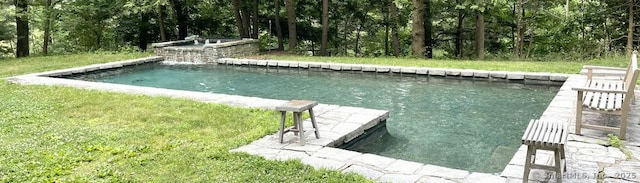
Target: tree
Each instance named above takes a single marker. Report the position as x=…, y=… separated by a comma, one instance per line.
x=428, y=40
x=417, y=41
x=160, y=11
x=22, y=28
x=519, y=38
x=278, y=26
x=290, y=5
x=629, y=47
x=182, y=15
x=255, y=30
x=47, y=27
x=393, y=14
x=238, y=16
x=459, y=52
x=480, y=30
x=325, y=27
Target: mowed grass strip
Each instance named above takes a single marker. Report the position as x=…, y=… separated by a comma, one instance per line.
x=569, y=67
x=61, y=134
x=26, y=65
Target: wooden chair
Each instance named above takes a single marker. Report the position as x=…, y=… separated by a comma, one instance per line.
x=608, y=97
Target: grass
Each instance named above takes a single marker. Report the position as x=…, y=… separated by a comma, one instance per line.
x=569, y=67
x=62, y=134
x=11, y=67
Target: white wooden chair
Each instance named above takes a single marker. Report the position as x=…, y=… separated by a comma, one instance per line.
x=608, y=97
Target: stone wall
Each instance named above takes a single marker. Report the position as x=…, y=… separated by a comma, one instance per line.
x=175, y=51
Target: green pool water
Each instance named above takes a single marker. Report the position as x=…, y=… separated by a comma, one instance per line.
x=458, y=123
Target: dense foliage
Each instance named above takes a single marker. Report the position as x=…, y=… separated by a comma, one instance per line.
x=541, y=29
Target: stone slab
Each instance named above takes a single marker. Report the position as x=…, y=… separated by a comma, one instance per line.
x=399, y=178
x=483, y=177
x=403, y=167
x=372, y=160
x=437, y=72
x=320, y=163
x=335, y=67
x=364, y=171
x=447, y=173
x=336, y=154
x=428, y=179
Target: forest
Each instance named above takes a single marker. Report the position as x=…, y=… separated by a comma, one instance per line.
x=456, y=29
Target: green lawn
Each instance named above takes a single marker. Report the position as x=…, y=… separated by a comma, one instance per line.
x=569, y=67
x=66, y=134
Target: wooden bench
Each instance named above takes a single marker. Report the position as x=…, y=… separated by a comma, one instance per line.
x=544, y=135
x=608, y=97
x=297, y=107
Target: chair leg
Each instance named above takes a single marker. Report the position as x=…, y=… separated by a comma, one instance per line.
x=527, y=164
x=558, y=165
x=623, y=125
x=283, y=116
x=579, y=112
x=298, y=118
x=313, y=122
x=563, y=158
x=533, y=156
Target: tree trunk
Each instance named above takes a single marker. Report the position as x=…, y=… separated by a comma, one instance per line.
x=236, y=14
x=357, y=49
x=566, y=10
x=459, y=31
x=428, y=48
x=182, y=17
x=246, y=20
x=532, y=36
x=395, y=42
x=163, y=35
x=143, y=30
x=291, y=19
x=417, y=41
x=346, y=33
x=325, y=27
x=480, y=32
x=386, y=27
x=630, y=29
x=519, y=29
x=47, y=27
x=513, y=29
x=278, y=26
x=255, y=20
x=22, y=28
x=607, y=38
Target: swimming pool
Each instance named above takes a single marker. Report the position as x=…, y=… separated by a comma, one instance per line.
x=459, y=123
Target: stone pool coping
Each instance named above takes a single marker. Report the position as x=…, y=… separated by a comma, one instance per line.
x=527, y=77
x=339, y=124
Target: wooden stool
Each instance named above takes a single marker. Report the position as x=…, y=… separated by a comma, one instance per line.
x=543, y=135
x=297, y=107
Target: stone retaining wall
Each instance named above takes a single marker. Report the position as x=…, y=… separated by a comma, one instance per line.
x=206, y=53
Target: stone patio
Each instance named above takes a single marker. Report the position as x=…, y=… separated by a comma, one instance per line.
x=589, y=159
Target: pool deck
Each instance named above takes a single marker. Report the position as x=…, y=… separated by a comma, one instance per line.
x=588, y=159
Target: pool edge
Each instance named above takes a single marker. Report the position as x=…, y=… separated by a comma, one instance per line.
x=366, y=164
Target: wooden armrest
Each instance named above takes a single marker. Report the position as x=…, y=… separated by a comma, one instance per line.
x=606, y=74
x=587, y=89
x=604, y=68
